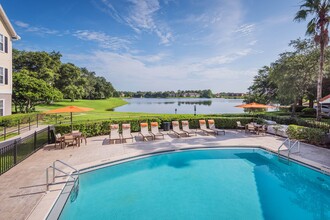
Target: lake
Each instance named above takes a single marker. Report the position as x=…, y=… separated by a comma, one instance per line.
x=182, y=105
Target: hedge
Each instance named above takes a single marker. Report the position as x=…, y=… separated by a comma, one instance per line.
x=310, y=135
x=102, y=127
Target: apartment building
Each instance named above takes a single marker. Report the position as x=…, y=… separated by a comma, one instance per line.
x=7, y=35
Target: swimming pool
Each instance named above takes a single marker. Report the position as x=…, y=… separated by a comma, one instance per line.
x=203, y=184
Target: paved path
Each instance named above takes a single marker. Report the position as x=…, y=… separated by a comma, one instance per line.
x=22, y=189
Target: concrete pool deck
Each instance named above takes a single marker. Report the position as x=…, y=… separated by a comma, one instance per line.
x=23, y=189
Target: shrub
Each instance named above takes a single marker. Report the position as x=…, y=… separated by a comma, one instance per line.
x=310, y=135
x=299, y=108
x=309, y=111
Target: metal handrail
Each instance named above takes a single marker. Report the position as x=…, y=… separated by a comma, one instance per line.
x=278, y=150
x=61, y=171
x=54, y=166
x=292, y=146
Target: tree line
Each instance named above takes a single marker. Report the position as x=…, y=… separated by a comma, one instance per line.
x=301, y=74
x=41, y=77
x=292, y=78
x=169, y=94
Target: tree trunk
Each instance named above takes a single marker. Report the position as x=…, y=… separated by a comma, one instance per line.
x=300, y=102
x=319, y=81
x=310, y=103
x=293, y=112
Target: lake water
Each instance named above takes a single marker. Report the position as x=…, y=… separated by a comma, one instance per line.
x=182, y=105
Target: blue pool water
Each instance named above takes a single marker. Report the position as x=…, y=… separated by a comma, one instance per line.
x=203, y=184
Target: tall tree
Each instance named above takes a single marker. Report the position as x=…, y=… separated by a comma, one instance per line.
x=317, y=27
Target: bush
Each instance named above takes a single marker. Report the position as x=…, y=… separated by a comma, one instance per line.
x=309, y=111
x=102, y=127
x=310, y=135
x=299, y=108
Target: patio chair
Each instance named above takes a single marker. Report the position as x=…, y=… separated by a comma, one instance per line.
x=126, y=132
x=69, y=140
x=262, y=129
x=212, y=127
x=202, y=126
x=145, y=132
x=59, y=140
x=250, y=128
x=239, y=125
x=155, y=131
x=114, y=133
x=177, y=130
x=185, y=128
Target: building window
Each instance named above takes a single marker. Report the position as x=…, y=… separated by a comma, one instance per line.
x=2, y=77
x=2, y=43
x=2, y=107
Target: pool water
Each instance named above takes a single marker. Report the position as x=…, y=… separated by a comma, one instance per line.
x=203, y=184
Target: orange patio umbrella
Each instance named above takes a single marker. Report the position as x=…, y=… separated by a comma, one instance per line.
x=254, y=105
x=68, y=109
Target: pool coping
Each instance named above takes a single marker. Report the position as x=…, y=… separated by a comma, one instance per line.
x=61, y=199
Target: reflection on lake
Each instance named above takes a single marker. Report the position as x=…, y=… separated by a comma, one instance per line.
x=183, y=105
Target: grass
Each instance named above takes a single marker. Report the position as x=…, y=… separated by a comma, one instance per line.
x=103, y=109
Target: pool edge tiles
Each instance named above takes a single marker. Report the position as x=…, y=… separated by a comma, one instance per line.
x=137, y=158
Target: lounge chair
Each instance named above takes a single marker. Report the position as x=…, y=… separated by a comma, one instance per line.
x=114, y=133
x=177, y=130
x=202, y=126
x=155, y=131
x=212, y=127
x=185, y=128
x=126, y=132
x=145, y=132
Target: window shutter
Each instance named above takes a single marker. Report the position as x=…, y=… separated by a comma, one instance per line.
x=6, y=44
x=6, y=76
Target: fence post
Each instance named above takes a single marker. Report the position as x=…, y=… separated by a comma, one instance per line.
x=29, y=123
x=35, y=140
x=4, y=133
x=18, y=127
x=15, y=152
x=48, y=134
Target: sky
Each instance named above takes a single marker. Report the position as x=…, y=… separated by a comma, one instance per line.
x=161, y=45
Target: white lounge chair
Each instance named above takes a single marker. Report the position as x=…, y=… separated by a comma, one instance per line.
x=185, y=128
x=114, y=133
x=212, y=127
x=145, y=132
x=155, y=131
x=126, y=132
x=177, y=130
x=202, y=126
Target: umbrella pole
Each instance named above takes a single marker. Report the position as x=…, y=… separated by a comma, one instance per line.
x=71, y=122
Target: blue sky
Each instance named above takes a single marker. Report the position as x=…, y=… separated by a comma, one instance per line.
x=161, y=44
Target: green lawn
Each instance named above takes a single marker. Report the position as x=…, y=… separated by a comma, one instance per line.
x=102, y=110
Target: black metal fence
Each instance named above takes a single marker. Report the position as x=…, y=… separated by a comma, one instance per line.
x=13, y=152
x=8, y=131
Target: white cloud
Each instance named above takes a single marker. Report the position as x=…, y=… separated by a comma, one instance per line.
x=132, y=73
x=142, y=16
x=104, y=40
x=39, y=30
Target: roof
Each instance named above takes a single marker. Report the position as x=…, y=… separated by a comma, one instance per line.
x=325, y=99
x=7, y=24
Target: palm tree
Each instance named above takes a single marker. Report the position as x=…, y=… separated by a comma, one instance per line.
x=317, y=27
